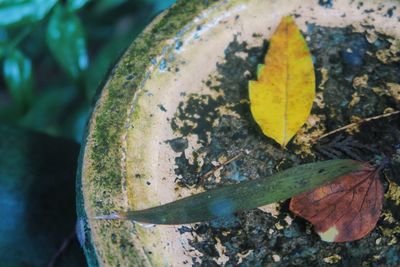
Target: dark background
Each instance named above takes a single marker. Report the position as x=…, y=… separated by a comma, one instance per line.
x=52, y=65
x=53, y=55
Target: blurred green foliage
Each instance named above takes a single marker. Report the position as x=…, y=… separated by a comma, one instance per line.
x=55, y=53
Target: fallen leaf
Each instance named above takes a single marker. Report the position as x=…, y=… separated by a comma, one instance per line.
x=282, y=97
x=346, y=209
x=228, y=199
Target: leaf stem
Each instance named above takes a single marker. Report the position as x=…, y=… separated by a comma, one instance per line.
x=15, y=42
x=358, y=123
x=20, y=37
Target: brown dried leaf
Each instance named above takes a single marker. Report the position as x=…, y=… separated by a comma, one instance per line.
x=346, y=209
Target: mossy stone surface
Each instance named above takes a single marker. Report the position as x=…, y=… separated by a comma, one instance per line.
x=99, y=178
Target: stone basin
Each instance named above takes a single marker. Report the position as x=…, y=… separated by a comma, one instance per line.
x=173, y=119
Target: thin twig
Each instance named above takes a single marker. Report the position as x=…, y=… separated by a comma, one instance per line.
x=219, y=167
x=358, y=123
x=61, y=249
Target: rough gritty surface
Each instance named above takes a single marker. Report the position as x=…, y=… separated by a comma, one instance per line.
x=357, y=77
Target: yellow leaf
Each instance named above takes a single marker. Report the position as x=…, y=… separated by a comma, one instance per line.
x=282, y=98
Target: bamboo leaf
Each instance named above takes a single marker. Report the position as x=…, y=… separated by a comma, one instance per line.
x=243, y=196
x=282, y=97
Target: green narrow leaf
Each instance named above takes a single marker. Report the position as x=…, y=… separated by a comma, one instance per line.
x=17, y=71
x=19, y=12
x=73, y=5
x=66, y=41
x=228, y=199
